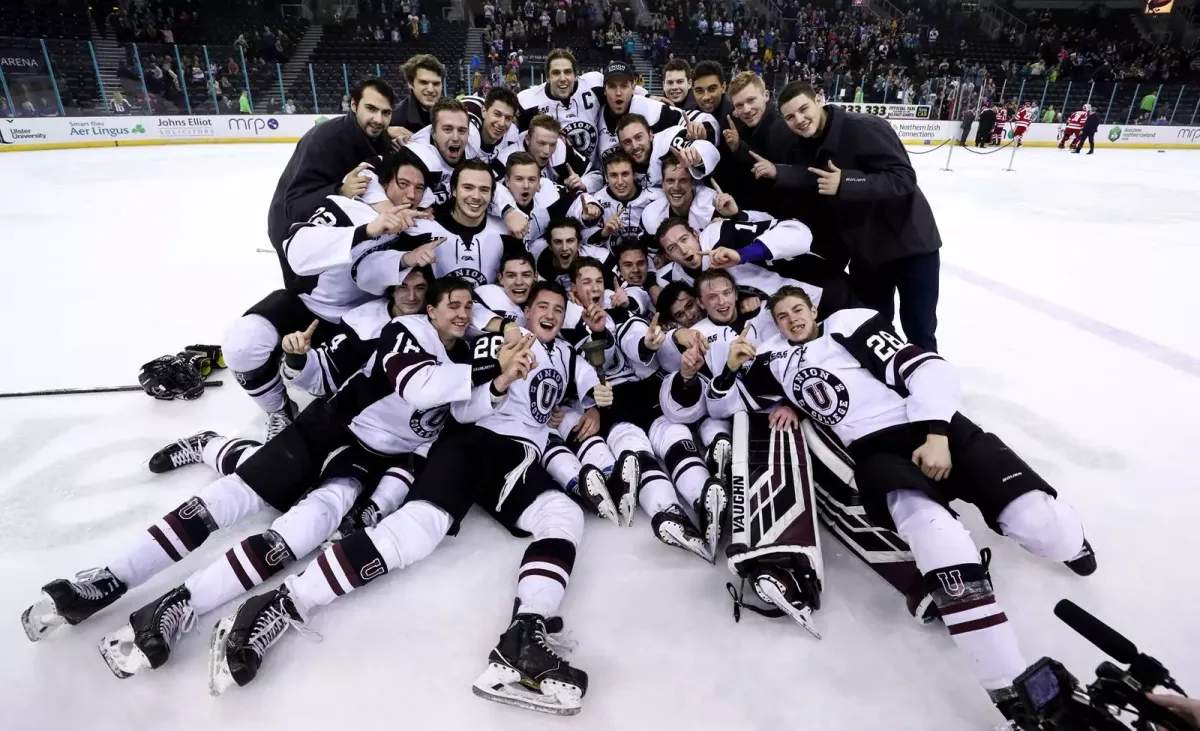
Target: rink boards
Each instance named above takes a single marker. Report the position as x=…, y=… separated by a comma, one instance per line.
x=58, y=133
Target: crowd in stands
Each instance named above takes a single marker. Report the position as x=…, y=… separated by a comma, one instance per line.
x=394, y=21
x=843, y=48
x=596, y=32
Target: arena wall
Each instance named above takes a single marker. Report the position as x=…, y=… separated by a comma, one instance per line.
x=58, y=133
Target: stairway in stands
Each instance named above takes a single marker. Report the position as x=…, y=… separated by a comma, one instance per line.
x=298, y=65
x=109, y=55
x=645, y=68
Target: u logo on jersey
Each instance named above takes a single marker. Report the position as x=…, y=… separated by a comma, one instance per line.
x=821, y=394
x=428, y=423
x=545, y=388
x=581, y=135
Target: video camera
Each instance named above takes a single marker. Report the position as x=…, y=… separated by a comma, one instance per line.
x=1053, y=700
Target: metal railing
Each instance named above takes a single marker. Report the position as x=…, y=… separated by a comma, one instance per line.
x=1130, y=102
x=47, y=78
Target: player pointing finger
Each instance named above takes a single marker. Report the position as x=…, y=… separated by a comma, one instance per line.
x=740, y=350
x=827, y=180
x=299, y=343
x=763, y=168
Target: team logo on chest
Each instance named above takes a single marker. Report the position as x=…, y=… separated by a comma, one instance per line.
x=821, y=394
x=473, y=276
x=545, y=389
x=581, y=135
x=428, y=423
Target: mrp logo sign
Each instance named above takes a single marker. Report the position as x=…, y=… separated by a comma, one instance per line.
x=255, y=125
x=1189, y=134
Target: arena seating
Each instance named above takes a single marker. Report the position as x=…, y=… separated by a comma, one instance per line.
x=1099, y=54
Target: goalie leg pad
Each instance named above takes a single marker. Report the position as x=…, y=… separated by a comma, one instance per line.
x=774, y=542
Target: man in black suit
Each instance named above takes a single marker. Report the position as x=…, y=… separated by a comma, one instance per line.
x=1089, y=131
x=867, y=195
x=987, y=123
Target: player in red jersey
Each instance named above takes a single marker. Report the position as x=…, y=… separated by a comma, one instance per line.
x=1074, y=126
x=1023, y=120
x=1001, y=124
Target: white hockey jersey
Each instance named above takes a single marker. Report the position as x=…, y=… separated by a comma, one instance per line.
x=474, y=105
x=625, y=357
x=631, y=218
x=578, y=115
x=437, y=170
x=523, y=413
x=857, y=377
x=327, y=367
x=687, y=407
x=321, y=253
x=563, y=161
x=400, y=401
x=663, y=119
x=491, y=301
x=549, y=202
x=700, y=214
x=546, y=263
x=784, y=240
x=472, y=253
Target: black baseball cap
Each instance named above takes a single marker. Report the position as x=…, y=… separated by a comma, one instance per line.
x=619, y=68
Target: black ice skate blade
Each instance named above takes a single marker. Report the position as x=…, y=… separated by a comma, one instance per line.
x=527, y=705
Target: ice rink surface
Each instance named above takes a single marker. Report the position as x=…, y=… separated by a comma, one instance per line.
x=1068, y=301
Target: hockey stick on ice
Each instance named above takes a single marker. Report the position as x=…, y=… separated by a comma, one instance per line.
x=100, y=389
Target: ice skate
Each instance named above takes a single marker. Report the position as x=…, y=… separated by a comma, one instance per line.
x=189, y=450
x=673, y=527
x=1084, y=562
x=523, y=670
x=710, y=510
x=363, y=514
x=720, y=458
x=797, y=598
x=71, y=602
x=623, y=486
x=593, y=489
x=146, y=641
x=240, y=641
x=277, y=421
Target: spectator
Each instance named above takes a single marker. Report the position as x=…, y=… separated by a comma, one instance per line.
x=5, y=110
x=289, y=107
x=27, y=110
x=345, y=103
x=232, y=66
x=425, y=25
x=244, y=102
x=395, y=35
x=1049, y=116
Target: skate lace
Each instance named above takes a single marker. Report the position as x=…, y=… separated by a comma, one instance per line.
x=86, y=583
x=270, y=626
x=177, y=620
x=277, y=421
x=188, y=453
x=552, y=646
